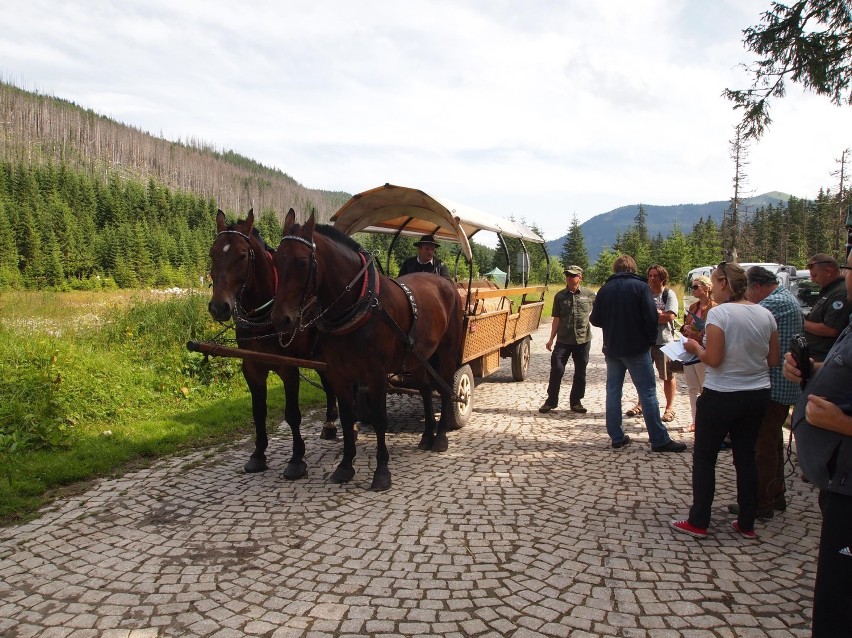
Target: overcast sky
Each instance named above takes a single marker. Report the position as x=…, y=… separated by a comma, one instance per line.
x=540, y=109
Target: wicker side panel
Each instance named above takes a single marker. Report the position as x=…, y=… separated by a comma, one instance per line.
x=511, y=325
x=490, y=362
x=529, y=319
x=484, y=333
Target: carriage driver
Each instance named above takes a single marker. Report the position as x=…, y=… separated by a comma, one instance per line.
x=425, y=260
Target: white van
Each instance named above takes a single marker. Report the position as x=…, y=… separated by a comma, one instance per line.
x=787, y=275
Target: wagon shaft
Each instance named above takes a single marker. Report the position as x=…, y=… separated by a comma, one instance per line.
x=216, y=350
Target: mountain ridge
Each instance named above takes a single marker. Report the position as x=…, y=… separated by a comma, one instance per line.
x=602, y=229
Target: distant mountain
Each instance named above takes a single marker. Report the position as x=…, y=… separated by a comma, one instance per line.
x=601, y=230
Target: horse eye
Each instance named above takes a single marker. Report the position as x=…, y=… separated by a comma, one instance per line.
x=302, y=263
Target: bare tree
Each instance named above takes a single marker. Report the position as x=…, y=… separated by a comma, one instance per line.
x=731, y=220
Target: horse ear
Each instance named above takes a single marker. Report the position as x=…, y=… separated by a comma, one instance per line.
x=289, y=219
x=220, y=221
x=308, y=228
x=249, y=220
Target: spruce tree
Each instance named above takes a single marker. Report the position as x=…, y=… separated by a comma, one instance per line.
x=574, y=247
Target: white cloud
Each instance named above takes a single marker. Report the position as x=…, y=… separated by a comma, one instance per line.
x=538, y=109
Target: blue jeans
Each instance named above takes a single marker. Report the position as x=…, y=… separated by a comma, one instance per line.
x=641, y=371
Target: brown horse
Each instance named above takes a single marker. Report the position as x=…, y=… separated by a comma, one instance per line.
x=244, y=281
x=370, y=326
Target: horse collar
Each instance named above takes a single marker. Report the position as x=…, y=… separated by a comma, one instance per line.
x=361, y=311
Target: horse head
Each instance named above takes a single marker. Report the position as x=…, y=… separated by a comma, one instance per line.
x=233, y=268
x=295, y=262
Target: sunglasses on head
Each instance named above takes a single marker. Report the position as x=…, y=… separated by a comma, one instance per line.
x=721, y=267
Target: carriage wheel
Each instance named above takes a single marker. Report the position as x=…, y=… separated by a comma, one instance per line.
x=520, y=359
x=463, y=387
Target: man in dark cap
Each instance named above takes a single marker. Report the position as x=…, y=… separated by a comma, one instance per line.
x=570, y=327
x=425, y=260
x=830, y=313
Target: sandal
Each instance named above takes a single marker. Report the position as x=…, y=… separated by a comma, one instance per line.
x=668, y=416
x=636, y=410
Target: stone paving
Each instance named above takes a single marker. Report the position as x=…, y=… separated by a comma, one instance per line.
x=530, y=525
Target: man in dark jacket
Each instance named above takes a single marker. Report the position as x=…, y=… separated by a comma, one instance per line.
x=425, y=260
x=822, y=425
x=624, y=308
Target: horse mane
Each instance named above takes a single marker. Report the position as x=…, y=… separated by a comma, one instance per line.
x=255, y=233
x=335, y=235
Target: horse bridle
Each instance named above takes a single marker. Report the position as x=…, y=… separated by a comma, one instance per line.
x=241, y=314
x=352, y=317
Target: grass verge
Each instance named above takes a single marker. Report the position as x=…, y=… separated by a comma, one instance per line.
x=93, y=385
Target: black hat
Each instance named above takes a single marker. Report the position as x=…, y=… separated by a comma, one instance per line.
x=426, y=239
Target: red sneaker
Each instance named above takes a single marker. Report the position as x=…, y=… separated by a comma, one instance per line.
x=688, y=528
x=749, y=535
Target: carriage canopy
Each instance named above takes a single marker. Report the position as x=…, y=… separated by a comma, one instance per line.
x=409, y=211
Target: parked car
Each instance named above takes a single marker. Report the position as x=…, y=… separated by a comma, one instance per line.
x=786, y=274
x=805, y=290
x=796, y=281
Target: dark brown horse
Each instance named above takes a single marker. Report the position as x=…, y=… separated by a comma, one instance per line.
x=370, y=326
x=244, y=280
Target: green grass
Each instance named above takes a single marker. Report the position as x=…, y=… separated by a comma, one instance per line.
x=95, y=383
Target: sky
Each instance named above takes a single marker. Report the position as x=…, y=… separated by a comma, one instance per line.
x=535, y=109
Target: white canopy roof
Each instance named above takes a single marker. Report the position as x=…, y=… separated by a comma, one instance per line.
x=391, y=209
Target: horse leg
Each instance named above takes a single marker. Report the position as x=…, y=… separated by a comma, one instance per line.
x=296, y=466
x=329, y=430
x=441, y=443
x=345, y=470
x=378, y=402
x=427, y=441
x=256, y=379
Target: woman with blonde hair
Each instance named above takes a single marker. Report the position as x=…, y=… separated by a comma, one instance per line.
x=693, y=328
x=741, y=344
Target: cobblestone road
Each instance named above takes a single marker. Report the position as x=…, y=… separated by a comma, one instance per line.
x=530, y=525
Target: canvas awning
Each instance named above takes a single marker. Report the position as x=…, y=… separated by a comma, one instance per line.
x=409, y=211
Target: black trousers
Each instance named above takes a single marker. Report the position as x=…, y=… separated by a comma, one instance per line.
x=558, y=359
x=833, y=589
x=717, y=415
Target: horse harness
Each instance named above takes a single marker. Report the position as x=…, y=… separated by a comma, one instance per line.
x=362, y=311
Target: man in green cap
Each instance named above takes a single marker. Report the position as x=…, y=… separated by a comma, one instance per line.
x=570, y=327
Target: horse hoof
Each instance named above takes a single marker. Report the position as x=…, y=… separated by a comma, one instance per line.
x=342, y=475
x=255, y=464
x=381, y=481
x=295, y=470
x=329, y=433
x=440, y=444
x=426, y=442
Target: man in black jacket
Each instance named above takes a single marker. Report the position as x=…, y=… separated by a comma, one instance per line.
x=425, y=260
x=624, y=308
x=822, y=425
